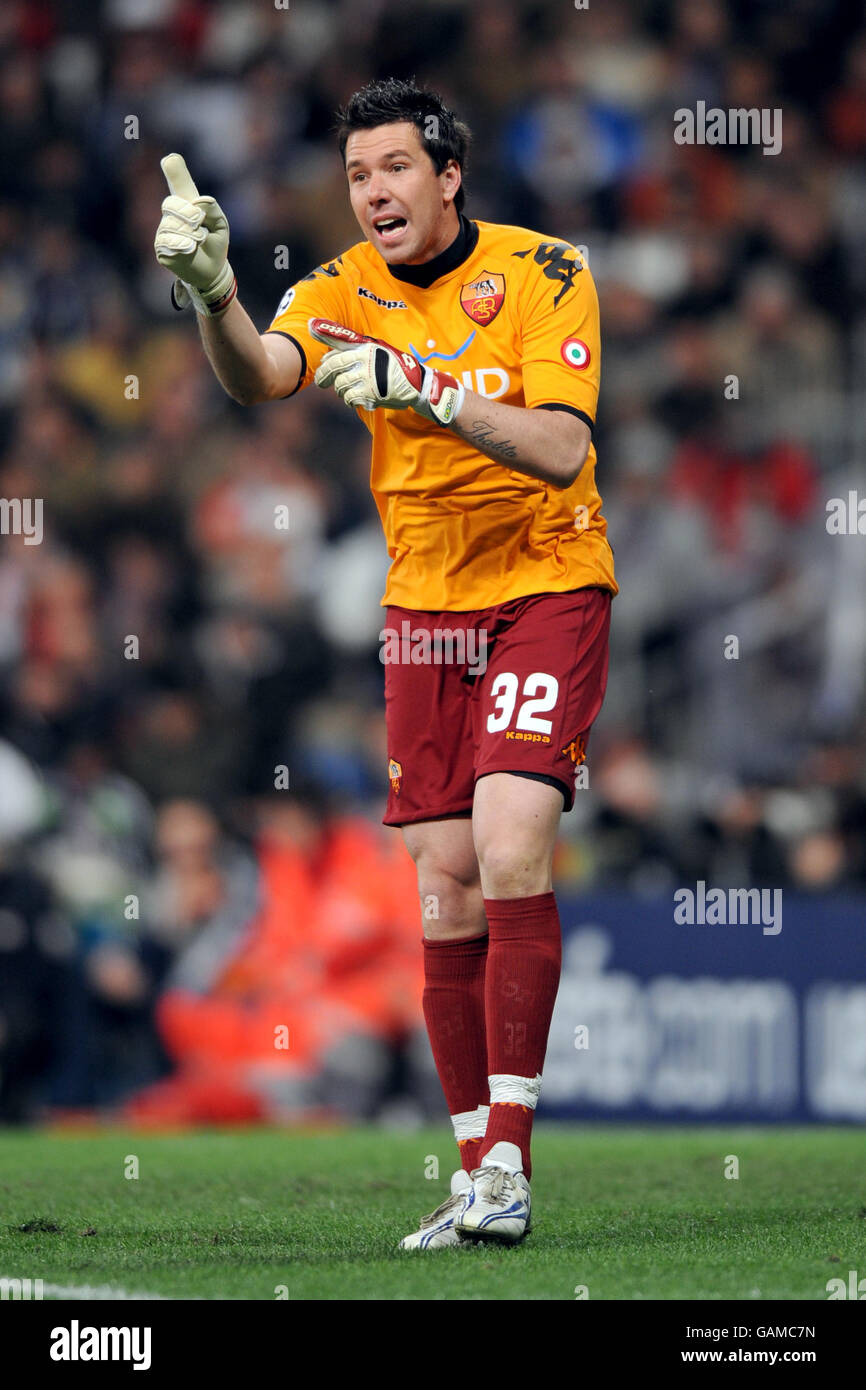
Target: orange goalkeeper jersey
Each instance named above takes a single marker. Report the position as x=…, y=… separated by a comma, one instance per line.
x=514, y=316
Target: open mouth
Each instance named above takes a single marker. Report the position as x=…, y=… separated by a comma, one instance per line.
x=390, y=228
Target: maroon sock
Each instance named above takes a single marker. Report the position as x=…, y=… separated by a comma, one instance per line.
x=524, y=962
x=470, y=1152
x=454, y=1013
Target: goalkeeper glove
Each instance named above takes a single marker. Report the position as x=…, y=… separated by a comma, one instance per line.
x=192, y=240
x=369, y=373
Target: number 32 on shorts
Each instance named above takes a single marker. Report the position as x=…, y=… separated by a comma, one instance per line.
x=539, y=694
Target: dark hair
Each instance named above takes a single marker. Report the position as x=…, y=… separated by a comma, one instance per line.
x=391, y=100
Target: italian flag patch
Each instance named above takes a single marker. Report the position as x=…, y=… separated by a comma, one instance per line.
x=575, y=354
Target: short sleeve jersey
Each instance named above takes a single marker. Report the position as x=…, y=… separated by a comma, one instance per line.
x=516, y=319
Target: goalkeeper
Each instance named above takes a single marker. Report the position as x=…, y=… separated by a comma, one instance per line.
x=471, y=353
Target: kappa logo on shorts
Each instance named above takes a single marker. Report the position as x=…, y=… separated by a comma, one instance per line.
x=395, y=775
x=576, y=750
x=482, y=299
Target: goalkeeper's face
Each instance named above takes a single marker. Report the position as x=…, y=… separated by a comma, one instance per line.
x=404, y=208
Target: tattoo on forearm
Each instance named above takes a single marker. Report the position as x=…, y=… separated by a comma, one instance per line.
x=480, y=433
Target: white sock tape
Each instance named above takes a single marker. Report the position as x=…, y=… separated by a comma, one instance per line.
x=515, y=1090
x=471, y=1124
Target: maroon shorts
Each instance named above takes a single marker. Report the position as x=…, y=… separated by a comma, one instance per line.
x=513, y=688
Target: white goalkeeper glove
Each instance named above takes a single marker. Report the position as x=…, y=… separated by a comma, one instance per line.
x=369, y=373
x=192, y=241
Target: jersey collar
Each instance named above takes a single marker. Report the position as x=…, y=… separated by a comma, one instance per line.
x=454, y=255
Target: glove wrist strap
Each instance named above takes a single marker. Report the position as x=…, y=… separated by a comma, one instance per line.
x=441, y=397
x=213, y=300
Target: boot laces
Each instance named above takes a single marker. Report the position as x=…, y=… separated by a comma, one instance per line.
x=450, y=1204
x=494, y=1185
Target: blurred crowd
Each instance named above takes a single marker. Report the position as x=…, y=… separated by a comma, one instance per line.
x=168, y=904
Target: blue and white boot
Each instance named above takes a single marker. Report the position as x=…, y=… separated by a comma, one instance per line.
x=437, y=1230
x=499, y=1205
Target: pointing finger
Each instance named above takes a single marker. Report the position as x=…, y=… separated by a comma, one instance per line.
x=178, y=177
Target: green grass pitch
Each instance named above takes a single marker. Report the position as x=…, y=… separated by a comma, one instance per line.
x=627, y=1213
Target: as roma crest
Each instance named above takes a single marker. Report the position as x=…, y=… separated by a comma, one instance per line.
x=395, y=775
x=482, y=300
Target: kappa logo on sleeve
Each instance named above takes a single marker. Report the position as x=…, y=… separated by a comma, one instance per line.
x=332, y=269
x=483, y=298
x=558, y=263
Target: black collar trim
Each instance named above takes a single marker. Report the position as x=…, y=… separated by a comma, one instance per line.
x=454, y=255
